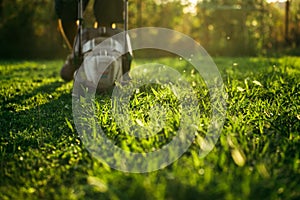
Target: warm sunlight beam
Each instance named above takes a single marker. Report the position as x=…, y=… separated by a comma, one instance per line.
x=192, y=7
x=274, y=1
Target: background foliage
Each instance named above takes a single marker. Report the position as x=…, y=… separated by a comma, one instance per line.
x=28, y=28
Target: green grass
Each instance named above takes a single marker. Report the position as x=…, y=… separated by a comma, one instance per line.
x=256, y=156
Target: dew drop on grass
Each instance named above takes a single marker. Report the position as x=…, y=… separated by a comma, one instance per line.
x=257, y=83
x=97, y=183
x=238, y=157
x=240, y=89
x=193, y=72
x=139, y=122
x=201, y=171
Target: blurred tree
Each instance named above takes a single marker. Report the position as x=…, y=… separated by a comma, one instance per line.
x=223, y=27
x=161, y=13
x=1, y=7
x=139, y=15
x=235, y=27
x=295, y=23
x=28, y=29
x=16, y=28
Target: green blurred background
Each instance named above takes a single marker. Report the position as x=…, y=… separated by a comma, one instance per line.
x=28, y=28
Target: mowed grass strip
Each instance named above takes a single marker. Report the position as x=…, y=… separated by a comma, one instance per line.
x=256, y=156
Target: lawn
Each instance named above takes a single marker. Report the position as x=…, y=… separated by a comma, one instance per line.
x=256, y=156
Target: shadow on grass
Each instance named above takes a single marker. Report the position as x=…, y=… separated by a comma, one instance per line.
x=19, y=98
x=39, y=151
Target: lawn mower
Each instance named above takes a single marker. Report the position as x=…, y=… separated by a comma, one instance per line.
x=101, y=59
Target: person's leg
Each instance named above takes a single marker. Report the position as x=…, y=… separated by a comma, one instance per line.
x=108, y=11
x=67, y=11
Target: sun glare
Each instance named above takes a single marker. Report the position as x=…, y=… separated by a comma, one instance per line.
x=274, y=1
x=192, y=7
x=193, y=1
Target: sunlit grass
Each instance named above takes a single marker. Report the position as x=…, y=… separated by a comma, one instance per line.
x=256, y=157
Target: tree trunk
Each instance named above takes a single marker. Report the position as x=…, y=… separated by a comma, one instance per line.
x=139, y=13
x=287, y=14
x=1, y=8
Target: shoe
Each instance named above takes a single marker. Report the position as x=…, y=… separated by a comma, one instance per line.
x=68, y=69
